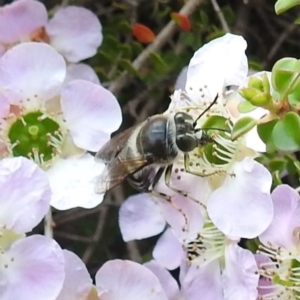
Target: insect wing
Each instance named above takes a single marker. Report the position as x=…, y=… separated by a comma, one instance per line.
x=114, y=146
x=116, y=171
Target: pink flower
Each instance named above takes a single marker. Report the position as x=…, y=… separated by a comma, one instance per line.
x=74, y=32
x=31, y=266
x=54, y=122
x=279, y=253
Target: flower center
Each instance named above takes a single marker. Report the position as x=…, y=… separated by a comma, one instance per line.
x=35, y=136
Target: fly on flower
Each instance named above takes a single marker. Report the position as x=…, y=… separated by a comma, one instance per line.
x=143, y=152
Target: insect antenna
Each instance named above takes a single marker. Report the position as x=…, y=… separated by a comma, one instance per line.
x=206, y=110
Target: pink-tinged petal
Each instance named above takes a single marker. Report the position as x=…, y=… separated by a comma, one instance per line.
x=240, y=276
x=242, y=206
x=219, y=63
x=168, y=250
x=78, y=282
x=281, y=231
x=75, y=32
x=183, y=215
x=4, y=105
x=127, y=280
x=20, y=19
x=72, y=181
x=140, y=217
x=204, y=282
x=25, y=194
x=166, y=280
x=32, y=268
x=32, y=71
x=91, y=112
x=81, y=71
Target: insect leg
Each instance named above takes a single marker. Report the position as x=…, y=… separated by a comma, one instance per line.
x=167, y=197
x=188, y=164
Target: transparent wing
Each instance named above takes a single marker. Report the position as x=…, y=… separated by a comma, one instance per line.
x=116, y=171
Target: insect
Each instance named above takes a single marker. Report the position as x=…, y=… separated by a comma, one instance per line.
x=143, y=152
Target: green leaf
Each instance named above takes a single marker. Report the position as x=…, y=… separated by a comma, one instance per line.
x=278, y=164
x=286, y=133
x=127, y=65
x=245, y=107
x=158, y=62
x=242, y=126
x=264, y=131
x=284, y=5
x=285, y=75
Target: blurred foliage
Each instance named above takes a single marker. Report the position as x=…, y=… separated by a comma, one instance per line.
x=94, y=234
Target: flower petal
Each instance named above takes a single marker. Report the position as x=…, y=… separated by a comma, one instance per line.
x=4, y=106
x=75, y=32
x=242, y=206
x=168, y=250
x=130, y=281
x=240, y=276
x=81, y=71
x=183, y=215
x=72, y=181
x=205, y=279
x=78, y=282
x=33, y=268
x=21, y=18
x=140, y=217
x=91, y=112
x=32, y=72
x=220, y=63
x=25, y=194
x=286, y=218
x=168, y=283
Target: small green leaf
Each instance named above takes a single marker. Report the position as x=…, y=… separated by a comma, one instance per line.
x=284, y=5
x=127, y=65
x=286, y=133
x=245, y=107
x=158, y=61
x=242, y=126
x=285, y=75
x=278, y=164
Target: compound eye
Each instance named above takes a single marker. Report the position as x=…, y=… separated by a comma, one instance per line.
x=186, y=143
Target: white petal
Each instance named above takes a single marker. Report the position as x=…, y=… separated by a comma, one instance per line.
x=168, y=282
x=81, y=71
x=25, y=194
x=91, y=112
x=72, y=181
x=240, y=276
x=128, y=280
x=78, y=281
x=140, y=217
x=168, y=250
x=219, y=63
x=32, y=71
x=242, y=206
x=33, y=268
